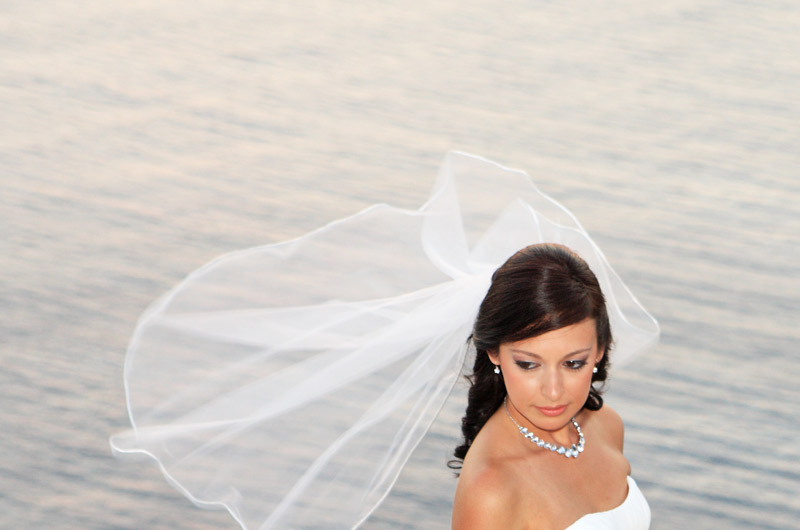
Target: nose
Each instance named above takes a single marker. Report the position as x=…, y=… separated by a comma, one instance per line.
x=552, y=386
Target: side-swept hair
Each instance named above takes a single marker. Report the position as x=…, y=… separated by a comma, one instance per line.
x=541, y=288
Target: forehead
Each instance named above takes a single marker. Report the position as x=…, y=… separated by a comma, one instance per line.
x=558, y=342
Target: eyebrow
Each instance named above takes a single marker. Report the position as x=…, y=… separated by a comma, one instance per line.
x=537, y=356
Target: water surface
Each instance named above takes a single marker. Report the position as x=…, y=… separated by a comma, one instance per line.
x=140, y=140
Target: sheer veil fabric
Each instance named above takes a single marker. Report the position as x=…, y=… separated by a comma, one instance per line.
x=289, y=383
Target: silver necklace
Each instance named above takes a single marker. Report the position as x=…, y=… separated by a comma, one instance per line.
x=569, y=452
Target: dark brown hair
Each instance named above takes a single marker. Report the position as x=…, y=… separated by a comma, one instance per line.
x=541, y=288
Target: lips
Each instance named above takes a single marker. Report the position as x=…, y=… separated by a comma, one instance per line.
x=552, y=411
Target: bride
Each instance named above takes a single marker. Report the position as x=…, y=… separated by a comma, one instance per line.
x=540, y=449
x=290, y=383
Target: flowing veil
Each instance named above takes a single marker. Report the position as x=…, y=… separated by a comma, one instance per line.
x=290, y=383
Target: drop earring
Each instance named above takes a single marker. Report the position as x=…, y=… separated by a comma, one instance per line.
x=594, y=370
x=497, y=369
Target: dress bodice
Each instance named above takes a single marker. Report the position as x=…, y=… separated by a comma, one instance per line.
x=632, y=514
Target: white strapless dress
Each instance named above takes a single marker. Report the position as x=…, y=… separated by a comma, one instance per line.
x=632, y=514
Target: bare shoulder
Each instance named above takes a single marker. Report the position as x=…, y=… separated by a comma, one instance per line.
x=609, y=424
x=482, y=498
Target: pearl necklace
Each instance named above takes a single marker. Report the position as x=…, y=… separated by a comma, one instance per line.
x=571, y=452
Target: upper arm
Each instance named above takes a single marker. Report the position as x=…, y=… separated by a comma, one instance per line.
x=481, y=503
x=613, y=426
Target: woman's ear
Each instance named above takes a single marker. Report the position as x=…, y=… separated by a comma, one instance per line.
x=601, y=351
x=494, y=355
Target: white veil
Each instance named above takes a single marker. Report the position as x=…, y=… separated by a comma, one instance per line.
x=290, y=383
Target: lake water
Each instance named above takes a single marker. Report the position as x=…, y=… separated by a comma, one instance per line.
x=140, y=140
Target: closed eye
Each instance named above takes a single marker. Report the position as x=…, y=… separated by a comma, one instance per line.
x=526, y=365
x=575, y=364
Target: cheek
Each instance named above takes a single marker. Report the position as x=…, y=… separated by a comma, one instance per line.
x=516, y=383
x=580, y=384
x=521, y=384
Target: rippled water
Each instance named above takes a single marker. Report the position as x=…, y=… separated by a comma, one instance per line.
x=140, y=140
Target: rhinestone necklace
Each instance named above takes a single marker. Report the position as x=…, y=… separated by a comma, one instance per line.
x=569, y=452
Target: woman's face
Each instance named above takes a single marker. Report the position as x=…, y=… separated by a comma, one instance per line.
x=548, y=377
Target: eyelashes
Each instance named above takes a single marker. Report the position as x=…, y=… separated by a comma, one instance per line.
x=525, y=365
x=574, y=364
